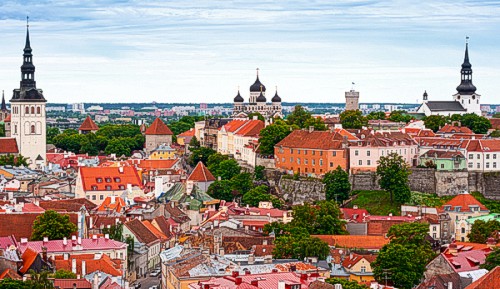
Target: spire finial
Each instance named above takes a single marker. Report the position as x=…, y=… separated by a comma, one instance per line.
x=27, y=21
x=466, y=40
x=257, y=72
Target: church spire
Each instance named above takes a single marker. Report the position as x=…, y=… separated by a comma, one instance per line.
x=466, y=86
x=27, y=46
x=27, y=69
x=4, y=106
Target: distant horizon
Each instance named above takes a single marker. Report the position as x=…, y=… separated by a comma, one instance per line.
x=202, y=51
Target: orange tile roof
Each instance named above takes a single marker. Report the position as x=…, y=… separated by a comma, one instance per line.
x=187, y=133
x=112, y=206
x=250, y=128
x=354, y=241
x=10, y=274
x=455, y=129
x=464, y=201
x=484, y=145
x=234, y=125
x=324, y=140
x=142, y=233
x=354, y=258
x=8, y=146
x=155, y=231
x=29, y=256
x=489, y=281
x=344, y=132
x=97, y=178
x=154, y=164
x=88, y=125
x=201, y=174
x=158, y=127
x=104, y=264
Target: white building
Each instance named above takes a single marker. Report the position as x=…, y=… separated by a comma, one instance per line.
x=28, y=119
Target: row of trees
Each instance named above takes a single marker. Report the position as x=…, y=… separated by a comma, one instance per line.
x=354, y=119
x=478, y=124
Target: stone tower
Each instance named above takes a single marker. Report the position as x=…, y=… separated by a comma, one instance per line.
x=352, y=100
x=28, y=119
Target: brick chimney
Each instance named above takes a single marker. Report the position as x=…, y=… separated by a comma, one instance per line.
x=255, y=282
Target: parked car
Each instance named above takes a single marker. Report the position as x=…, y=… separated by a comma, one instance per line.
x=155, y=273
x=153, y=287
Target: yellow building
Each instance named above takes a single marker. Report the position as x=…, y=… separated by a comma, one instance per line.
x=163, y=152
x=359, y=267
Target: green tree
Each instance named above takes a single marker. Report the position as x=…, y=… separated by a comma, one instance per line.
x=53, y=225
x=64, y=274
x=298, y=117
x=260, y=194
x=346, y=284
x=337, y=185
x=51, y=133
x=8, y=283
x=406, y=255
x=221, y=190
x=481, y=231
x=316, y=122
x=375, y=115
x=492, y=260
x=11, y=160
x=242, y=183
x=495, y=133
x=400, y=116
x=118, y=147
x=200, y=155
x=194, y=143
x=258, y=173
x=434, y=122
x=393, y=174
x=115, y=232
x=214, y=161
x=257, y=114
x=353, y=119
x=324, y=218
x=271, y=135
x=228, y=169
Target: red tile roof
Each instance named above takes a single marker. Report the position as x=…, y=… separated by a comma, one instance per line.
x=187, y=133
x=158, y=127
x=483, y=145
x=98, y=178
x=464, y=201
x=251, y=128
x=464, y=261
x=489, y=281
x=112, y=204
x=88, y=125
x=29, y=256
x=354, y=241
x=234, y=125
x=69, y=283
x=324, y=140
x=354, y=258
x=354, y=215
x=103, y=263
x=8, y=146
x=455, y=129
x=163, y=225
x=153, y=164
x=159, y=234
x=10, y=274
x=70, y=205
x=201, y=174
x=141, y=232
x=23, y=224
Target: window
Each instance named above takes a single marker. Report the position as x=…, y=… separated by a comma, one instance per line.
x=363, y=269
x=442, y=166
x=99, y=180
x=434, y=228
x=314, y=153
x=463, y=230
x=32, y=110
x=27, y=110
x=15, y=128
x=94, y=188
x=101, y=197
x=321, y=153
x=487, y=156
x=434, y=236
x=494, y=156
x=93, y=197
x=298, y=161
x=38, y=110
x=108, y=188
x=478, y=165
x=331, y=164
x=360, y=162
x=471, y=156
x=298, y=152
x=291, y=160
x=32, y=129
x=305, y=161
x=368, y=153
x=282, y=160
x=108, y=180
x=356, y=152
x=313, y=162
x=321, y=162
x=291, y=151
x=487, y=165
x=369, y=162
x=457, y=209
x=334, y=154
x=494, y=165
x=117, y=180
x=305, y=152
x=478, y=156
x=121, y=187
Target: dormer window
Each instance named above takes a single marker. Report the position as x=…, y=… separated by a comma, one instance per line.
x=94, y=188
x=108, y=188
x=108, y=180
x=447, y=207
x=117, y=180
x=99, y=180
x=457, y=209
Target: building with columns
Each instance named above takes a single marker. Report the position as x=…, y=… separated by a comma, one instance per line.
x=28, y=119
x=466, y=100
x=257, y=102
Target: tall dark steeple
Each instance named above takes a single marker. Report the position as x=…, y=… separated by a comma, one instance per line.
x=466, y=87
x=27, y=90
x=4, y=106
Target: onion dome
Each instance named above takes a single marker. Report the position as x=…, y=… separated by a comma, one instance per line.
x=276, y=97
x=257, y=86
x=261, y=98
x=238, y=98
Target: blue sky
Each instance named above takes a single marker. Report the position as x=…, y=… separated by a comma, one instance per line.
x=201, y=51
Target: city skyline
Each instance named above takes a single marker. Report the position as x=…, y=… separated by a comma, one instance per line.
x=134, y=51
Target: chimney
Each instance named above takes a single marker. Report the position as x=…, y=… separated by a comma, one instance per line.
x=94, y=237
x=255, y=283
x=235, y=274
x=238, y=280
x=24, y=240
x=79, y=240
x=66, y=256
x=247, y=272
x=311, y=128
x=91, y=222
x=275, y=270
x=120, y=169
x=84, y=268
x=45, y=239
x=106, y=236
x=65, y=241
x=281, y=284
x=73, y=266
x=73, y=238
x=452, y=249
x=450, y=285
x=293, y=268
x=113, y=200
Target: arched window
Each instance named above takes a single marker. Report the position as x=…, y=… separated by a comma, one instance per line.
x=27, y=110
x=32, y=129
x=32, y=110
x=38, y=110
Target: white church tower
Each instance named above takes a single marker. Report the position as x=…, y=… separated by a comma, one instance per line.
x=466, y=91
x=28, y=119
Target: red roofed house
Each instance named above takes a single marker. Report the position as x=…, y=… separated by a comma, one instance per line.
x=112, y=204
x=358, y=267
x=156, y=134
x=98, y=183
x=460, y=208
x=71, y=283
x=8, y=146
x=225, y=136
x=185, y=137
x=311, y=152
x=483, y=155
x=244, y=137
x=32, y=261
x=201, y=177
x=450, y=129
x=142, y=234
x=84, y=264
x=88, y=126
x=488, y=281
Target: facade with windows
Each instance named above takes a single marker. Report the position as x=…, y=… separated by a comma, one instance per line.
x=483, y=155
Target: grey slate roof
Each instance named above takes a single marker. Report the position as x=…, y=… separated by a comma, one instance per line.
x=445, y=105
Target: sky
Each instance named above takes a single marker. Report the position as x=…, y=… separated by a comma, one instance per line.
x=202, y=51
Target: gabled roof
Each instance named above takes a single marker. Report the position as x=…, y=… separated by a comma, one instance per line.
x=354, y=258
x=250, y=128
x=141, y=232
x=464, y=201
x=489, y=281
x=324, y=140
x=70, y=205
x=234, y=125
x=97, y=178
x=159, y=234
x=187, y=133
x=10, y=274
x=201, y=174
x=445, y=106
x=444, y=154
x=163, y=225
x=29, y=256
x=158, y=127
x=102, y=263
x=88, y=125
x=8, y=146
x=455, y=129
x=112, y=204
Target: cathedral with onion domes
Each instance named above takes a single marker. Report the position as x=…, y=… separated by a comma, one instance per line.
x=257, y=102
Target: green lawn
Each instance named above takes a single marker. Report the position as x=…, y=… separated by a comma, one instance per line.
x=379, y=202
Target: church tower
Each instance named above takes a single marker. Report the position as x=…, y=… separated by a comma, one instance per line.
x=466, y=91
x=28, y=119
